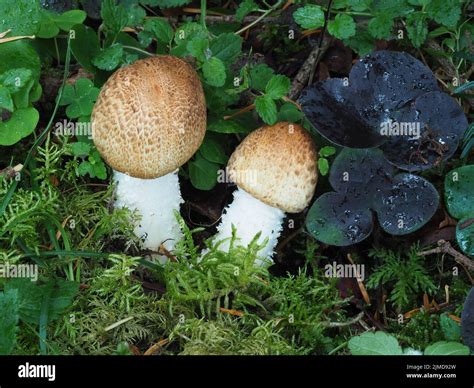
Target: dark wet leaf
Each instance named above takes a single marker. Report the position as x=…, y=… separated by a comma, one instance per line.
x=467, y=321
x=349, y=112
x=406, y=205
x=390, y=79
x=330, y=108
x=437, y=122
x=336, y=219
x=394, y=90
x=360, y=172
x=459, y=192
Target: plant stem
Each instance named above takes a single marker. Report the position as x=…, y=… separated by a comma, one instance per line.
x=267, y=12
x=138, y=50
x=343, y=345
x=203, y=13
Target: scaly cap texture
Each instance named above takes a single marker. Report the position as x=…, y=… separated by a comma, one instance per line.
x=150, y=117
x=277, y=165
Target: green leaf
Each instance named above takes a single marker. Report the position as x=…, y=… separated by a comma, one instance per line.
x=212, y=150
x=323, y=166
x=245, y=7
x=327, y=151
x=214, y=72
x=16, y=79
x=80, y=148
x=19, y=54
x=362, y=42
x=21, y=124
x=6, y=101
x=266, y=109
x=342, y=27
x=58, y=295
x=226, y=126
x=260, y=75
x=69, y=19
x=109, y=58
x=375, y=344
x=184, y=34
x=465, y=235
x=202, y=173
x=167, y=3
x=8, y=321
x=445, y=348
x=289, y=112
x=21, y=98
x=21, y=16
x=160, y=28
x=80, y=98
x=278, y=86
x=85, y=46
x=114, y=16
x=417, y=28
x=380, y=27
x=48, y=28
x=459, y=191
x=227, y=47
x=360, y=5
x=197, y=47
x=450, y=328
x=465, y=86
x=445, y=12
x=309, y=17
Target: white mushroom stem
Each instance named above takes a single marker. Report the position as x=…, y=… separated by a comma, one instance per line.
x=155, y=201
x=250, y=216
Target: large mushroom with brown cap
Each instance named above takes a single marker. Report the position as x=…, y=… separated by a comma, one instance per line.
x=275, y=170
x=149, y=119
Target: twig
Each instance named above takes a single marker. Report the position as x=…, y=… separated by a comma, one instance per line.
x=266, y=13
x=445, y=247
x=348, y=323
x=165, y=252
x=323, y=34
x=447, y=66
x=117, y=324
x=156, y=347
x=301, y=79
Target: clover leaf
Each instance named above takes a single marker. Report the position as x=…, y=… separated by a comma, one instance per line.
x=79, y=98
x=364, y=181
x=391, y=100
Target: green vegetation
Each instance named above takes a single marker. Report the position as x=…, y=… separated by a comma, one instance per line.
x=98, y=292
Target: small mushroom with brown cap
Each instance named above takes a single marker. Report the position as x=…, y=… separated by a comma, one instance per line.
x=149, y=119
x=275, y=170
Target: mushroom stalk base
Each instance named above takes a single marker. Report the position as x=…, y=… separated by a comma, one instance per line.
x=154, y=201
x=249, y=217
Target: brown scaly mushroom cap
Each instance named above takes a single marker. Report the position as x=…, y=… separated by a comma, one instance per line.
x=277, y=165
x=150, y=117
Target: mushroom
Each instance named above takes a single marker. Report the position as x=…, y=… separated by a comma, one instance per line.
x=275, y=170
x=149, y=119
